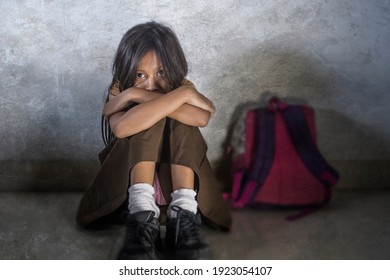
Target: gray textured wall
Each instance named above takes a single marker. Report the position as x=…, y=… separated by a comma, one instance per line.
x=55, y=67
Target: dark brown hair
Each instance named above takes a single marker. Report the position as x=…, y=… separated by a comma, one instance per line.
x=137, y=42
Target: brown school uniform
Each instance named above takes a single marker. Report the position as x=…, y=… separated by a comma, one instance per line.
x=167, y=142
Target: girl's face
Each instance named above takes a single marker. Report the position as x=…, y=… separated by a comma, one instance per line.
x=150, y=74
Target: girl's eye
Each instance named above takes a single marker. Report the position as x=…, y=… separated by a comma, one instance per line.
x=161, y=73
x=140, y=75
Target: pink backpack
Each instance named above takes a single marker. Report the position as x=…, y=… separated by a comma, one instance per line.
x=280, y=164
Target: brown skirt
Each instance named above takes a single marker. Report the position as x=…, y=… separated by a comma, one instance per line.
x=167, y=142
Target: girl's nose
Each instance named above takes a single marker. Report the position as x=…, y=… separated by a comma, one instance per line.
x=151, y=84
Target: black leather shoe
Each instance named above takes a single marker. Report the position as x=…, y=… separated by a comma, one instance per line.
x=142, y=235
x=184, y=238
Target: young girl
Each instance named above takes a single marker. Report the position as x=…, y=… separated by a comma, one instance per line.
x=155, y=154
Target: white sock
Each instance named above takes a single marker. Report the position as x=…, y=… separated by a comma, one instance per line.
x=141, y=199
x=185, y=199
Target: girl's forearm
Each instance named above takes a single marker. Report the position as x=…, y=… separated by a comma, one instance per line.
x=121, y=101
x=187, y=114
x=145, y=115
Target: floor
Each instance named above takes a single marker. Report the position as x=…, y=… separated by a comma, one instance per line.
x=356, y=225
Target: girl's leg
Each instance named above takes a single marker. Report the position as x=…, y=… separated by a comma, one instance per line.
x=143, y=227
x=182, y=177
x=183, y=230
x=141, y=190
x=143, y=172
x=186, y=152
x=183, y=195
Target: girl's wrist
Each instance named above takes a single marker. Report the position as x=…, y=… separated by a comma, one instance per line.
x=136, y=95
x=188, y=93
x=182, y=94
x=130, y=95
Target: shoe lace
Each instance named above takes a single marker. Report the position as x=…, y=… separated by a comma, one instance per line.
x=188, y=222
x=146, y=233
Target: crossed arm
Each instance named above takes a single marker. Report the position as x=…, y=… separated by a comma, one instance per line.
x=184, y=104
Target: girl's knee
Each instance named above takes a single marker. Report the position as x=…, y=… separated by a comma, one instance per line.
x=183, y=132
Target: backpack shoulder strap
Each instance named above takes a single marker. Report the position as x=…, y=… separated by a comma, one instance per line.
x=263, y=135
x=306, y=147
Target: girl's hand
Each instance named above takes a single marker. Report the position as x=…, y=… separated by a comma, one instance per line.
x=117, y=101
x=195, y=98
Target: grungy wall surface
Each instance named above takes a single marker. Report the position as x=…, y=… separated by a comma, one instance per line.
x=55, y=60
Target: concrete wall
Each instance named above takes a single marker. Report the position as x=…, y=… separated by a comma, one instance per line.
x=55, y=60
